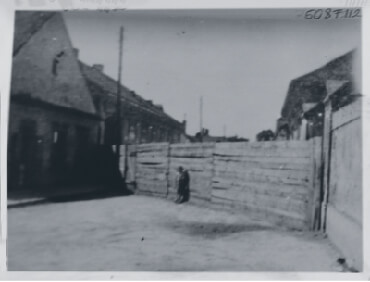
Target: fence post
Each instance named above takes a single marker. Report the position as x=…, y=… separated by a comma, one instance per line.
x=326, y=155
x=213, y=170
x=133, y=161
x=317, y=183
x=168, y=169
x=135, y=165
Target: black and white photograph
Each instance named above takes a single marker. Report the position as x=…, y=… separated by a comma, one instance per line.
x=186, y=140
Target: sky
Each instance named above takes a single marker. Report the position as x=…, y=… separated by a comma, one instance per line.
x=240, y=61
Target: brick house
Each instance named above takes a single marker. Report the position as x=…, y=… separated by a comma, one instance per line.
x=142, y=120
x=52, y=118
x=303, y=112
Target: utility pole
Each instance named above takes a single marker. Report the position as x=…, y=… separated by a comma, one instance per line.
x=201, y=118
x=118, y=105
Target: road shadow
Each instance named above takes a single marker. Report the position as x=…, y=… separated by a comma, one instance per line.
x=214, y=230
x=88, y=196
x=76, y=197
x=96, y=175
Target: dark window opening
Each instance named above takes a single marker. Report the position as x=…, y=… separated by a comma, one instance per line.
x=111, y=131
x=56, y=62
x=60, y=146
x=27, y=163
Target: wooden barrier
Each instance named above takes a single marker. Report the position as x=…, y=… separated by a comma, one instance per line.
x=152, y=168
x=345, y=209
x=277, y=181
x=271, y=179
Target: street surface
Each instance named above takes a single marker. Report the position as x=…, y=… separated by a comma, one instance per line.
x=139, y=233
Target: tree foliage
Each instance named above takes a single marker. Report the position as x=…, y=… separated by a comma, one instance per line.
x=265, y=135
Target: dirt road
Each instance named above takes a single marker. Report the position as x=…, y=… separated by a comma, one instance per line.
x=139, y=233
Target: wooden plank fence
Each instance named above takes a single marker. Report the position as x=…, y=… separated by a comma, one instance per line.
x=269, y=179
x=152, y=169
x=277, y=181
x=345, y=209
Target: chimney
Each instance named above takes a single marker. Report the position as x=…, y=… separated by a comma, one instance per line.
x=183, y=125
x=76, y=52
x=98, y=67
x=159, y=107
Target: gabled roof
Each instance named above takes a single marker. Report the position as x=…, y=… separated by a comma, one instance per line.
x=311, y=87
x=30, y=73
x=109, y=86
x=333, y=86
x=308, y=106
x=27, y=23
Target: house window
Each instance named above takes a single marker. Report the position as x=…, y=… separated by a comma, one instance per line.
x=154, y=134
x=161, y=135
x=55, y=137
x=82, y=136
x=144, y=133
x=111, y=131
x=132, y=135
x=150, y=134
x=56, y=61
x=60, y=145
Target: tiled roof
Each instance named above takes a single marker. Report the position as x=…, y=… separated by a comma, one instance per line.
x=109, y=86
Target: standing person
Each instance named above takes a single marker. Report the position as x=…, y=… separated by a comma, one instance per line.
x=183, y=186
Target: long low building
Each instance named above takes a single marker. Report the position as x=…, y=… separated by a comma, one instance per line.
x=142, y=121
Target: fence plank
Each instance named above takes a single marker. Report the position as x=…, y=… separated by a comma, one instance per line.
x=273, y=178
x=277, y=163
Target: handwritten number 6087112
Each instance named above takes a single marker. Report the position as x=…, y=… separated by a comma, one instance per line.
x=326, y=14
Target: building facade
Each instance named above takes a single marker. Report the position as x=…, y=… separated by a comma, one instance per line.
x=52, y=118
x=61, y=109
x=302, y=113
x=141, y=121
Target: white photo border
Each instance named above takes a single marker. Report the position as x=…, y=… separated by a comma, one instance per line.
x=7, y=11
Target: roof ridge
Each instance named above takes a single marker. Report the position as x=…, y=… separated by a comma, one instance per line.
x=324, y=66
x=136, y=98
x=310, y=86
x=31, y=33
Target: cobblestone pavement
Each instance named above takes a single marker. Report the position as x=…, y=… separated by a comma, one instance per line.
x=138, y=233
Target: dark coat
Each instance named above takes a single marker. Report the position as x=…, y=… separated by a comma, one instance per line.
x=184, y=181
